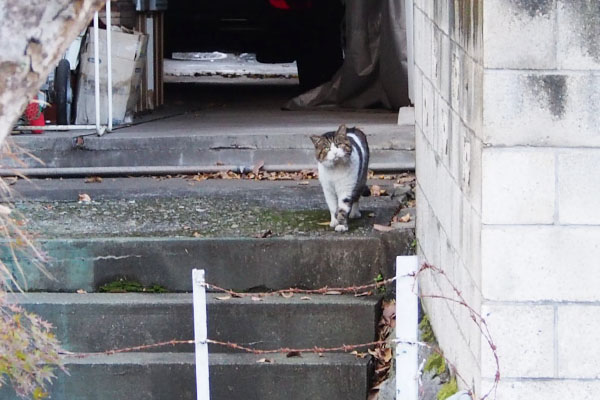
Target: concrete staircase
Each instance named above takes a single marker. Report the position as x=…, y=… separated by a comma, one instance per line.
x=134, y=229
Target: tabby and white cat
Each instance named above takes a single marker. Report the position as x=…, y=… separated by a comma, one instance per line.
x=343, y=161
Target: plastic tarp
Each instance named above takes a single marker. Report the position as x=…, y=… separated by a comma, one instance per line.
x=374, y=72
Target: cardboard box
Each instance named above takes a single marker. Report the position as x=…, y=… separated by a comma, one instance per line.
x=128, y=62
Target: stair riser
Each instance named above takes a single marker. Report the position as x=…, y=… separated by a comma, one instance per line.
x=101, y=327
x=227, y=382
x=242, y=264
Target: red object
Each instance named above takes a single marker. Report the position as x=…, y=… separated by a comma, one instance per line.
x=34, y=116
x=291, y=4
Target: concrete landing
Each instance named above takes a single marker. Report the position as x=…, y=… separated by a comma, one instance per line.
x=207, y=125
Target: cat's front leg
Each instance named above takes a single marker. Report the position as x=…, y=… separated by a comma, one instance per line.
x=331, y=199
x=355, y=212
x=342, y=214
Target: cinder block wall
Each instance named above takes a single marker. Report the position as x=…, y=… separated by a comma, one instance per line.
x=529, y=237
x=540, y=234
x=448, y=96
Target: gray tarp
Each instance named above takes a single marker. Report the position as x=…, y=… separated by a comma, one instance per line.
x=374, y=72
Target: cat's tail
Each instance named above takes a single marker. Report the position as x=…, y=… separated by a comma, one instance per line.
x=366, y=192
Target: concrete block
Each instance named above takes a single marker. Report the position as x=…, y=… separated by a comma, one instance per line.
x=520, y=35
x=578, y=188
x=537, y=263
x=578, y=32
x=541, y=109
x=418, y=100
x=545, y=389
x=524, y=337
x=424, y=39
x=578, y=351
x=457, y=77
x=518, y=186
x=441, y=15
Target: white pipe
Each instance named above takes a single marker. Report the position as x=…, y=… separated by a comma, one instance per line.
x=157, y=170
x=200, y=335
x=53, y=127
x=109, y=66
x=407, y=316
x=97, y=71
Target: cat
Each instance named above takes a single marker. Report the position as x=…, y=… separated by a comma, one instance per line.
x=343, y=161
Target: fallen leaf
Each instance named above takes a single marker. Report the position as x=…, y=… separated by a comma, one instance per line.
x=264, y=234
x=287, y=295
x=84, y=198
x=264, y=361
x=4, y=210
x=81, y=291
x=333, y=292
x=223, y=297
x=303, y=183
x=305, y=298
x=93, y=179
x=375, y=190
x=359, y=355
x=382, y=228
x=405, y=218
x=326, y=223
x=219, y=163
x=363, y=294
x=197, y=234
x=255, y=298
x=371, y=215
x=258, y=167
x=293, y=354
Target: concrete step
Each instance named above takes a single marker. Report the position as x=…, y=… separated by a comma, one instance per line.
x=392, y=148
x=156, y=231
x=171, y=376
x=100, y=322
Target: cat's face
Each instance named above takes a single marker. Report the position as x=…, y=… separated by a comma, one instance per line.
x=332, y=149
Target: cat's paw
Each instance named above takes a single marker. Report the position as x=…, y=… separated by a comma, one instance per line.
x=355, y=214
x=341, y=228
x=333, y=223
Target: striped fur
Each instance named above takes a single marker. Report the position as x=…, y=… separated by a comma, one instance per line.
x=343, y=162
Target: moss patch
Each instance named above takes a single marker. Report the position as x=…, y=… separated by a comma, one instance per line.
x=126, y=286
x=436, y=363
x=448, y=389
x=427, y=334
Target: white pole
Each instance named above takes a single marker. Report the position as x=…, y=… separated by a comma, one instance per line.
x=109, y=66
x=97, y=72
x=407, y=310
x=200, y=335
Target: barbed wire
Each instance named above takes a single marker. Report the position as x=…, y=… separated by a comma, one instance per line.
x=474, y=315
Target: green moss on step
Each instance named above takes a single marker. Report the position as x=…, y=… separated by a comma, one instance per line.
x=436, y=363
x=448, y=389
x=126, y=286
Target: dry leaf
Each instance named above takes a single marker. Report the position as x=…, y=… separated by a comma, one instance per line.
x=359, y=355
x=293, y=354
x=305, y=298
x=258, y=167
x=264, y=361
x=93, y=179
x=371, y=215
x=287, y=295
x=81, y=291
x=84, y=198
x=405, y=218
x=333, y=292
x=255, y=298
x=197, y=234
x=223, y=297
x=382, y=228
x=375, y=190
x=4, y=210
x=219, y=163
x=264, y=234
x=326, y=223
x=303, y=183
x=363, y=294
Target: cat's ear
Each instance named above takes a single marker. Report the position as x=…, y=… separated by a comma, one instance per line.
x=316, y=139
x=341, y=131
